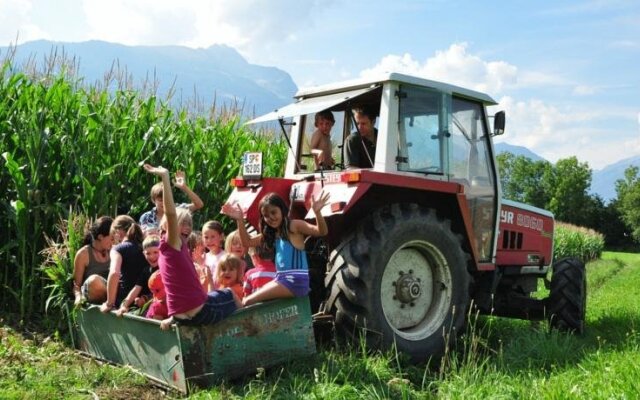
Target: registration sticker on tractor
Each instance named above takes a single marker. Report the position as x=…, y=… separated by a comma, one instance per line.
x=252, y=166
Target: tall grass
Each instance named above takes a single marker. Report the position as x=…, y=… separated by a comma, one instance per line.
x=574, y=241
x=67, y=145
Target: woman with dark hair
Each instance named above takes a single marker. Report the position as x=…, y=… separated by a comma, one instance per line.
x=91, y=264
x=127, y=262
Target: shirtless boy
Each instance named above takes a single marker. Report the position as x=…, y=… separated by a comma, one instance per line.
x=321, y=140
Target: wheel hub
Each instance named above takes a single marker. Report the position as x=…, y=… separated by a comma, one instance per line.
x=415, y=290
x=408, y=288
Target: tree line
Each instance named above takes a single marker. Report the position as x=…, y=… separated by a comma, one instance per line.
x=562, y=188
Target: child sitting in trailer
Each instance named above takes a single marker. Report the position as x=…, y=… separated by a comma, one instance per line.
x=187, y=302
x=213, y=239
x=127, y=261
x=158, y=307
x=286, y=237
x=151, y=219
x=233, y=245
x=138, y=296
x=229, y=274
x=197, y=249
x=91, y=264
x=263, y=272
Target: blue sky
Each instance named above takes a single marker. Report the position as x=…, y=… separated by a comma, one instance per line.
x=566, y=72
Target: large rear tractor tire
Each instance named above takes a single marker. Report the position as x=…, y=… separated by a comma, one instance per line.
x=567, y=302
x=400, y=279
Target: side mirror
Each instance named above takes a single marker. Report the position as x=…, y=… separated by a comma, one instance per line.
x=498, y=123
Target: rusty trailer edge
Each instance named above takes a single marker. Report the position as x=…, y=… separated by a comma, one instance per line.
x=263, y=335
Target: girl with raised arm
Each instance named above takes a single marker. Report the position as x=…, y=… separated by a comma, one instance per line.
x=187, y=302
x=286, y=237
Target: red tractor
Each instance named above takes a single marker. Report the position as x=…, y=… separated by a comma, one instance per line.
x=422, y=235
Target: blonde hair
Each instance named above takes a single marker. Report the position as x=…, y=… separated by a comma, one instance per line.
x=232, y=262
x=151, y=241
x=184, y=218
x=156, y=191
x=232, y=237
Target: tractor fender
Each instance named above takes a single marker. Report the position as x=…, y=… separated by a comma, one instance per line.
x=352, y=201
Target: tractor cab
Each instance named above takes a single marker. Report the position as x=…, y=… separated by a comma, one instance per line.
x=424, y=129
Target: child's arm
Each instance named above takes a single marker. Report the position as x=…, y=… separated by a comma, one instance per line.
x=112, y=281
x=307, y=229
x=235, y=212
x=316, y=149
x=165, y=324
x=181, y=183
x=79, y=265
x=173, y=230
x=209, y=278
x=126, y=303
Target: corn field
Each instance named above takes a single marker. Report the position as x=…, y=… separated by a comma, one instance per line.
x=69, y=148
x=574, y=241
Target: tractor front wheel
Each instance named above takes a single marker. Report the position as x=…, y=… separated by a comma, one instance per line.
x=567, y=302
x=401, y=279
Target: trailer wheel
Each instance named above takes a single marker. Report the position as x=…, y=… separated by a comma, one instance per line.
x=567, y=302
x=400, y=279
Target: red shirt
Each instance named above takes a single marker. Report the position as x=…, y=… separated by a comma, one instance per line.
x=255, y=278
x=180, y=279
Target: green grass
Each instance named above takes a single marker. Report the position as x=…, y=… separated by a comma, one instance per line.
x=37, y=367
x=498, y=358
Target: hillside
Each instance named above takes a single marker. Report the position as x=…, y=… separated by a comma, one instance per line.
x=604, y=180
x=516, y=150
x=218, y=72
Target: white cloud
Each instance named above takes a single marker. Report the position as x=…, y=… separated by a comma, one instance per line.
x=583, y=90
x=556, y=132
x=454, y=66
x=457, y=66
x=532, y=79
x=16, y=23
x=142, y=22
x=244, y=25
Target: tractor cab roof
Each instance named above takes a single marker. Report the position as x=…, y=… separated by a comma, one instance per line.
x=318, y=98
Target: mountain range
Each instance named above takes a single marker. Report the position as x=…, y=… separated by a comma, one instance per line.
x=219, y=73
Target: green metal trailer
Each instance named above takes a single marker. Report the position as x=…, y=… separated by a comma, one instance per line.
x=262, y=335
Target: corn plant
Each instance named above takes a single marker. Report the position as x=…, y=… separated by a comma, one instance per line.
x=57, y=266
x=574, y=241
x=68, y=145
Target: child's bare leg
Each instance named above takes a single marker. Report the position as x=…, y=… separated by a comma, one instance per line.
x=270, y=291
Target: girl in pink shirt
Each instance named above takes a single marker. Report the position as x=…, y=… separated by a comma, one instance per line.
x=187, y=302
